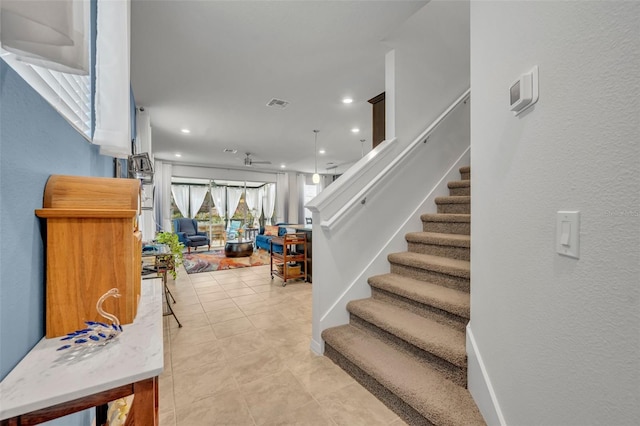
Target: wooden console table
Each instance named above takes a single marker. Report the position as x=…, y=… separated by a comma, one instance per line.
x=48, y=384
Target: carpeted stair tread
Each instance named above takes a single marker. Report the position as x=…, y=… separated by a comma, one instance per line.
x=436, y=238
x=428, y=335
x=459, y=184
x=439, y=400
x=453, y=199
x=460, y=187
x=443, y=265
x=465, y=172
x=445, y=217
x=447, y=299
x=450, y=223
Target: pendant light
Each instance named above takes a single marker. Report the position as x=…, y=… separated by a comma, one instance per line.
x=316, y=176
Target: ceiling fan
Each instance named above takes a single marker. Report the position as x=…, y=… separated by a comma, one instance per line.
x=248, y=161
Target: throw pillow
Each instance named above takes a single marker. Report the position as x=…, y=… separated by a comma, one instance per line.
x=271, y=230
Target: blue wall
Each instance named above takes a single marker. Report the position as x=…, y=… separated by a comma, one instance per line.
x=35, y=142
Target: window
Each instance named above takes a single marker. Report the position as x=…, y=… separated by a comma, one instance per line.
x=47, y=44
x=69, y=94
x=242, y=212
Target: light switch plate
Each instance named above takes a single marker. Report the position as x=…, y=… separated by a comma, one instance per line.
x=568, y=233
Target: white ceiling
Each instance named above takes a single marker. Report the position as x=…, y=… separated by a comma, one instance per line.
x=212, y=66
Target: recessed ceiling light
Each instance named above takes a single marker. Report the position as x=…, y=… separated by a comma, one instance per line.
x=322, y=151
x=185, y=131
x=230, y=151
x=355, y=130
x=282, y=166
x=178, y=155
x=347, y=100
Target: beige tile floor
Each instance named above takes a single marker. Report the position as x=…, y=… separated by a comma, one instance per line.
x=242, y=357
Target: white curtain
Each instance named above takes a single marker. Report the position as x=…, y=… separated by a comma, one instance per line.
x=197, y=194
x=50, y=34
x=269, y=202
x=260, y=201
x=112, y=97
x=253, y=200
x=233, y=199
x=181, y=198
x=219, y=195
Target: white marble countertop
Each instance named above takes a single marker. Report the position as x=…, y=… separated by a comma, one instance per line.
x=46, y=377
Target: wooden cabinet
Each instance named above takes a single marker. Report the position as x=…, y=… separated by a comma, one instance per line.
x=92, y=245
x=292, y=263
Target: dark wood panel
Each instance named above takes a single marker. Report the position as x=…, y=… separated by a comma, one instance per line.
x=379, y=123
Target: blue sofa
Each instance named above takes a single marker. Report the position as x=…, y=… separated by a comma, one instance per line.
x=264, y=241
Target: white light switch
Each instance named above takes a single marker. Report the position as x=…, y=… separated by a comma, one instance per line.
x=568, y=233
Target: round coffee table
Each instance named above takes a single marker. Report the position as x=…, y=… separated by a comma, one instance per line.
x=238, y=249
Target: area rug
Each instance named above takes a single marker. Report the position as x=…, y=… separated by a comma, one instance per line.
x=215, y=260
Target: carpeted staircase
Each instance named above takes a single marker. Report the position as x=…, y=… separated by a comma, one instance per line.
x=406, y=343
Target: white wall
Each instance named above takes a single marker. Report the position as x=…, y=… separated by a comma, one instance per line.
x=560, y=337
x=430, y=63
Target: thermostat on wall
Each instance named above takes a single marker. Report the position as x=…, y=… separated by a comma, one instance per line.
x=524, y=91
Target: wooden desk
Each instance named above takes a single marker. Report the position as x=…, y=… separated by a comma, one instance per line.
x=48, y=384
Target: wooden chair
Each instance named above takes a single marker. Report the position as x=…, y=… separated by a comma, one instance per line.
x=218, y=233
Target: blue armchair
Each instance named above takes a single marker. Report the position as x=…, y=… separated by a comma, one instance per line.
x=187, y=230
x=232, y=232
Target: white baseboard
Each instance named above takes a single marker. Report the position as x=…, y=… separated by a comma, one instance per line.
x=317, y=347
x=479, y=384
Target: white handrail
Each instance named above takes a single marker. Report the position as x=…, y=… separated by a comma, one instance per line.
x=332, y=192
x=361, y=195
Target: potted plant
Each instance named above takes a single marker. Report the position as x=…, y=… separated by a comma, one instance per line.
x=176, y=247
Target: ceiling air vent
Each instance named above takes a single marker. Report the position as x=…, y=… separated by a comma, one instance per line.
x=277, y=103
